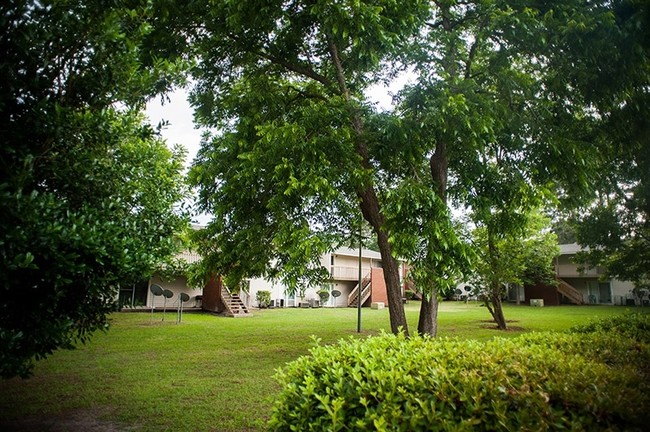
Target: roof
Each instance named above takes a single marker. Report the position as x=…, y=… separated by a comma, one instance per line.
x=365, y=253
x=571, y=249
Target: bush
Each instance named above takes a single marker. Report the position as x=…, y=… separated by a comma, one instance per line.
x=546, y=381
x=632, y=325
x=263, y=298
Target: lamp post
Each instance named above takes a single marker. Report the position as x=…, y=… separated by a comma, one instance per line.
x=360, y=275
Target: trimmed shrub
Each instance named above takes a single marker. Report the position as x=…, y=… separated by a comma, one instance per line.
x=631, y=325
x=263, y=298
x=544, y=381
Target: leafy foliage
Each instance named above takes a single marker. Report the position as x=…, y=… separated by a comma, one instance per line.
x=423, y=233
x=589, y=381
x=615, y=224
x=90, y=192
x=634, y=326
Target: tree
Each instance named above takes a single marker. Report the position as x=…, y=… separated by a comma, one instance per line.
x=89, y=192
x=615, y=224
x=513, y=248
x=495, y=96
x=291, y=168
x=299, y=148
x=423, y=233
x=564, y=231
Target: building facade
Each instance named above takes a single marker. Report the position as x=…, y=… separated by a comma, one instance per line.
x=589, y=282
x=343, y=267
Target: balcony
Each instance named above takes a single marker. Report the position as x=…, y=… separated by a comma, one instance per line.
x=571, y=270
x=347, y=273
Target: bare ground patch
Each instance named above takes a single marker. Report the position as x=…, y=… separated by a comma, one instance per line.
x=490, y=324
x=71, y=421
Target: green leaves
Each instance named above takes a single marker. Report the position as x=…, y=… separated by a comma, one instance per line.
x=534, y=381
x=89, y=193
x=422, y=232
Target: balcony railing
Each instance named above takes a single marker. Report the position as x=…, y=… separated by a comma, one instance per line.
x=571, y=270
x=347, y=273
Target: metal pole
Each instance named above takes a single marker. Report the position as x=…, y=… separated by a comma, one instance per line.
x=360, y=280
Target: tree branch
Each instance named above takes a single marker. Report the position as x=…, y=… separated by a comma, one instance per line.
x=297, y=68
x=293, y=67
x=470, y=59
x=338, y=66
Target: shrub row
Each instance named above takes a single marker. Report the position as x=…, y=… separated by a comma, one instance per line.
x=634, y=326
x=583, y=380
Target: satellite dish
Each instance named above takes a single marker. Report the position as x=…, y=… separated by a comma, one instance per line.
x=168, y=294
x=184, y=297
x=156, y=290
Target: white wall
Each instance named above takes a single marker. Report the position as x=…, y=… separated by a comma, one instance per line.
x=177, y=286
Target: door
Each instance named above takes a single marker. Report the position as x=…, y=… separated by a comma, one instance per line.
x=600, y=292
x=605, y=292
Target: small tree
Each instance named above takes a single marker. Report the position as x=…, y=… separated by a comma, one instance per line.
x=515, y=256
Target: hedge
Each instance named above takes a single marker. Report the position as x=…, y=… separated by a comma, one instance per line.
x=584, y=380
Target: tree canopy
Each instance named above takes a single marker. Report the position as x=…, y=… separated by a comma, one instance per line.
x=501, y=112
x=291, y=168
x=615, y=224
x=90, y=193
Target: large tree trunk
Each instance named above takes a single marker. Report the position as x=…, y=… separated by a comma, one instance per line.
x=428, y=321
x=371, y=209
x=439, y=166
x=371, y=212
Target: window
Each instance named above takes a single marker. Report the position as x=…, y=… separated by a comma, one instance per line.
x=134, y=294
x=600, y=292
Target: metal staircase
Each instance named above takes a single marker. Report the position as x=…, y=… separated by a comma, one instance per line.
x=234, y=305
x=569, y=291
x=366, y=290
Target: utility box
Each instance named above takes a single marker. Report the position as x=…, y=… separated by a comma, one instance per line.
x=537, y=302
x=377, y=305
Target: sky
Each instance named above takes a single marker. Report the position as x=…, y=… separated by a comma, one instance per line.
x=178, y=113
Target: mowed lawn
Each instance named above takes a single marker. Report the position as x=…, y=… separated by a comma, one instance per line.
x=211, y=373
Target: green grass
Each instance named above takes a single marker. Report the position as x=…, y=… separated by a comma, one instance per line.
x=215, y=374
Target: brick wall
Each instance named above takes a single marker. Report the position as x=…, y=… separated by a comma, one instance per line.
x=379, y=293
x=212, y=295
x=548, y=293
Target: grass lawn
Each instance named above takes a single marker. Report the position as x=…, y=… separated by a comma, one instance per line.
x=215, y=374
